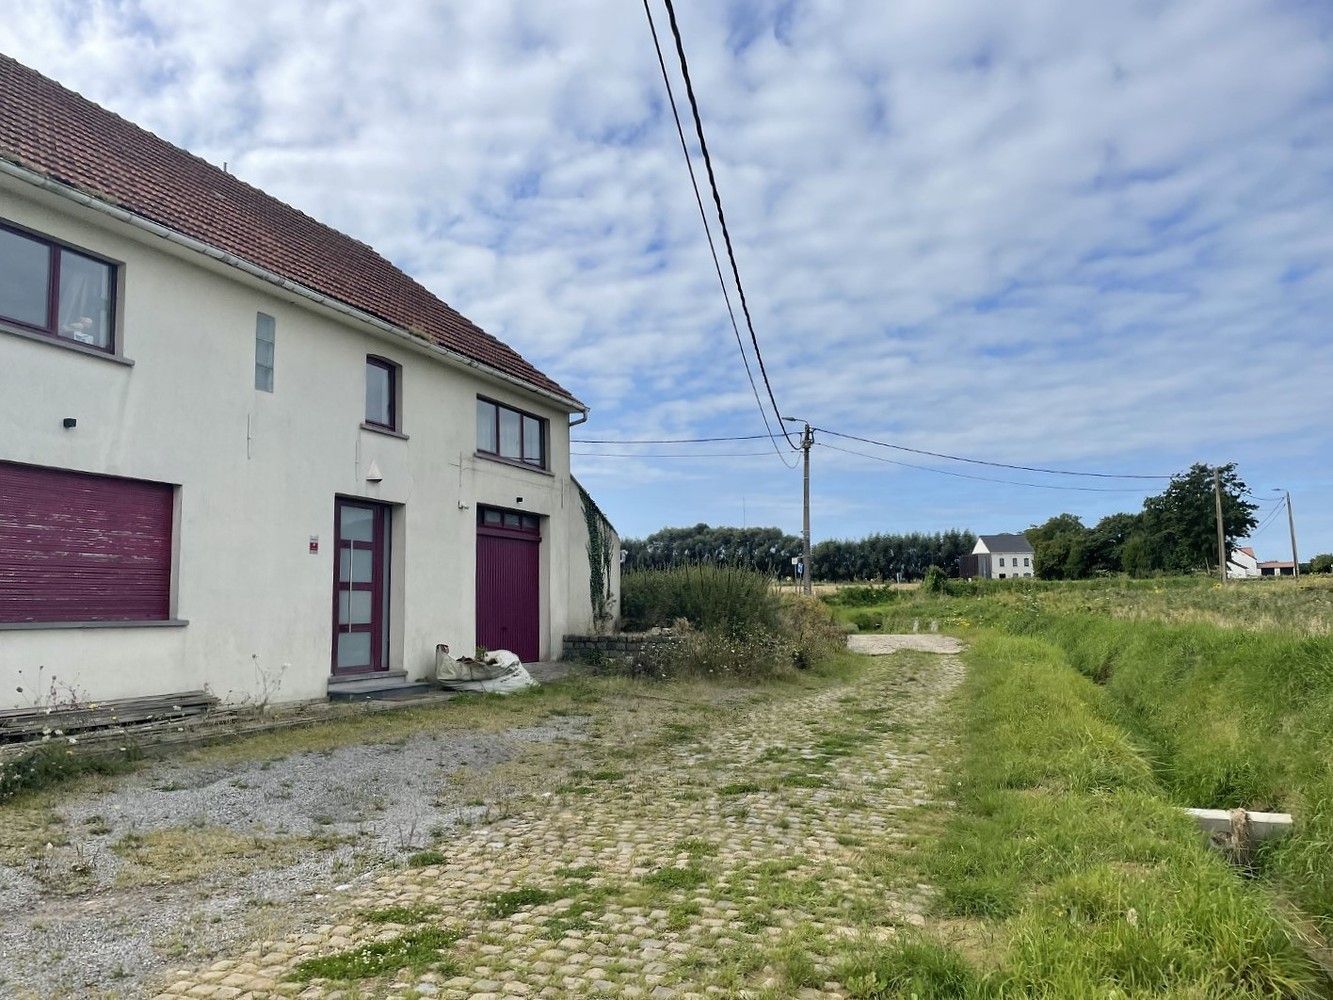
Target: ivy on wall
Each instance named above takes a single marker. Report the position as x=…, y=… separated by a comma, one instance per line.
x=600, y=552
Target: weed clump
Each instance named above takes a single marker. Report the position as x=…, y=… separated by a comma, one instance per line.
x=53, y=764
x=418, y=950
x=506, y=904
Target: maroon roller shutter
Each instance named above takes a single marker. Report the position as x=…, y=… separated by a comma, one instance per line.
x=81, y=548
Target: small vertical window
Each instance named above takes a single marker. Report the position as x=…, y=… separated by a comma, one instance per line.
x=532, y=441
x=25, y=279
x=1001, y=560
x=266, y=331
x=381, y=393
x=511, y=433
x=487, y=437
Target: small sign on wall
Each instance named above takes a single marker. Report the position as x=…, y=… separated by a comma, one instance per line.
x=314, y=544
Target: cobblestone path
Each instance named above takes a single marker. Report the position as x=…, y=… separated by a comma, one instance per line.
x=745, y=861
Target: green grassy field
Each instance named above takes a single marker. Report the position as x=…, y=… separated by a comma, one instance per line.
x=1091, y=712
x=1291, y=607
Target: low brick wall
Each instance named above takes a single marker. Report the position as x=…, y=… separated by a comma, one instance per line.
x=618, y=645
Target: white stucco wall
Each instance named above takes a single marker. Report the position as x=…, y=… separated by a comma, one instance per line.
x=258, y=474
x=988, y=563
x=1010, y=569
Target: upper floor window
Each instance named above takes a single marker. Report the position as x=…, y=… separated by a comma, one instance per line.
x=1001, y=560
x=381, y=393
x=508, y=433
x=52, y=289
x=1025, y=561
x=266, y=331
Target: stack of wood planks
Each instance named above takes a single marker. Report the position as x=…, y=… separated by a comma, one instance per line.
x=24, y=725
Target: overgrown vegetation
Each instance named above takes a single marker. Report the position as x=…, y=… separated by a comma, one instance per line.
x=52, y=764
x=718, y=598
x=1231, y=718
x=1099, y=886
x=727, y=623
x=1294, y=607
x=600, y=552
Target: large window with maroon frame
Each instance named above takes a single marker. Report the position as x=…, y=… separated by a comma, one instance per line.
x=52, y=289
x=510, y=434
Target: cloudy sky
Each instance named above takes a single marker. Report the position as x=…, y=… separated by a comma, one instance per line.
x=1097, y=236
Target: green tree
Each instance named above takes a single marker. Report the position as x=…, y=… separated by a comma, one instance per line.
x=1106, y=542
x=1138, y=556
x=1181, y=522
x=1322, y=563
x=1061, y=547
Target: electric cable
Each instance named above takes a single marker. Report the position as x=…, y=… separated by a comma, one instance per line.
x=980, y=461
x=983, y=479
x=712, y=246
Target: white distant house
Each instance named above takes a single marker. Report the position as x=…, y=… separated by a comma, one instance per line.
x=1243, y=563
x=999, y=557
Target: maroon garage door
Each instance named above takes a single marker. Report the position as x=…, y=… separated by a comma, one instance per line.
x=508, y=582
x=82, y=548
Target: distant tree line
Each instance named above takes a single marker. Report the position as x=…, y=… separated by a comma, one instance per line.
x=1175, y=532
x=768, y=550
x=891, y=557
x=878, y=557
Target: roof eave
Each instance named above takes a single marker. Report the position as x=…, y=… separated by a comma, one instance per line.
x=444, y=354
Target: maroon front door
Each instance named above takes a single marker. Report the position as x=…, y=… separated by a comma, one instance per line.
x=509, y=582
x=360, y=581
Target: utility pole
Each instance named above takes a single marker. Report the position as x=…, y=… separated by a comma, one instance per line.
x=1291, y=523
x=1221, y=535
x=807, y=440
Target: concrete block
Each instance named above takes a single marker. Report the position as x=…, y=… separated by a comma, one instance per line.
x=1263, y=825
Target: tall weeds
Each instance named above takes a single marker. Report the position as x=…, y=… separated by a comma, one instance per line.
x=726, y=598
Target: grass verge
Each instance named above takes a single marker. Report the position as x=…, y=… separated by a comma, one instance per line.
x=1097, y=884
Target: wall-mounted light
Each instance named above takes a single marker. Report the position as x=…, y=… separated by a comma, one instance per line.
x=69, y=423
x=518, y=499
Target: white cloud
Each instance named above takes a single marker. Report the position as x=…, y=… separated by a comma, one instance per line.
x=1090, y=234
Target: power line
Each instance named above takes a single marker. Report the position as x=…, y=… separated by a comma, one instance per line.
x=717, y=196
x=1272, y=514
x=706, y=454
x=980, y=461
x=712, y=247
x=738, y=437
x=983, y=479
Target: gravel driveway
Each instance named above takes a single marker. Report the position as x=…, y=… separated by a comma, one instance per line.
x=183, y=860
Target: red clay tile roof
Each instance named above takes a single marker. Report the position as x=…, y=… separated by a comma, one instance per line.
x=55, y=132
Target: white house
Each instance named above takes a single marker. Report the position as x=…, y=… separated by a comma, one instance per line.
x=1243, y=563
x=1001, y=557
x=240, y=450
